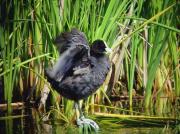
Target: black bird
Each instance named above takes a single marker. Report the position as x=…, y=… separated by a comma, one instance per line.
x=85, y=73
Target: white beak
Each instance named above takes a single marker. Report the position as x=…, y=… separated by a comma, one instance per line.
x=108, y=50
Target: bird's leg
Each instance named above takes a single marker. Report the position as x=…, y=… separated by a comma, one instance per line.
x=81, y=120
x=79, y=113
x=76, y=106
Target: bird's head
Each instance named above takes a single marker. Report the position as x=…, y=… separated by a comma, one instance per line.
x=100, y=47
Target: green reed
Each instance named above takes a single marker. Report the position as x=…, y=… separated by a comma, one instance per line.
x=143, y=35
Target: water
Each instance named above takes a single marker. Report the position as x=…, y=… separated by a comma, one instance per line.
x=28, y=121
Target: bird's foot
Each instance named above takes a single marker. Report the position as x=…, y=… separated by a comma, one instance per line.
x=82, y=121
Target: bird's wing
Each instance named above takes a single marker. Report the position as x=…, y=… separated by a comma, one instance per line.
x=64, y=63
x=69, y=44
x=68, y=39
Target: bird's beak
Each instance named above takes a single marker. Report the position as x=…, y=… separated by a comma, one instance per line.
x=108, y=49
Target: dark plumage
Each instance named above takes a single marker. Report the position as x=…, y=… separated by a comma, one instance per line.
x=80, y=86
x=73, y=48
x=68, y=39
x=80, y=70
x=76, y=86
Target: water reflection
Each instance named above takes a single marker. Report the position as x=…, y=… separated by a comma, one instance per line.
x=31, y=123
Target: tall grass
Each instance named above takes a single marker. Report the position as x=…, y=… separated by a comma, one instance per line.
x=24, y=38
x=143, y=36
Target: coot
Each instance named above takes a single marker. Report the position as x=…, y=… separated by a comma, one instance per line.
x=85, y=73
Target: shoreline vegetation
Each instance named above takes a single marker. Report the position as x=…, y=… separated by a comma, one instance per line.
x=144, y=36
